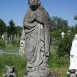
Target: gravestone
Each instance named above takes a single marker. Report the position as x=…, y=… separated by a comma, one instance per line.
x=11, y=37
x=69, y=31
x=9, y=71
x=22, y=44
x=5, y=37
x=37, y=40
x=15, y=37
x=73, y=58
x=62, y=34
x=18, y=37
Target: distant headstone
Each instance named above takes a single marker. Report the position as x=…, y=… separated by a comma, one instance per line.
x=62, y=34
x=15, y=37
x=73, y=58
x=9, y=71
x=11, y=37
x=18, y=37
x=69, y=31
x=5, y=37
x=22, y=44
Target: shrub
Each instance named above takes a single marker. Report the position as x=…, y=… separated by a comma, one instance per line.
x=64, y=45
x=13, y=60
x=2, y=44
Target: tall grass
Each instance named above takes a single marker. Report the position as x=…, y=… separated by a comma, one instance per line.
x=12, y=60
x=60, y=65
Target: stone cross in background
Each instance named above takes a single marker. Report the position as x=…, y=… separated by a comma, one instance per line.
x=62, y=34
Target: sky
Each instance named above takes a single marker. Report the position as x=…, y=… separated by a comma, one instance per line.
x=16, y=10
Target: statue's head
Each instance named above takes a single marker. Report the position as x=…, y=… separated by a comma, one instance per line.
x=75, y=36
x=34, y=4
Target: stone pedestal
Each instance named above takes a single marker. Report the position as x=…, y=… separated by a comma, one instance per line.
x=9, y=71
x=51, y=74
x=72, y=73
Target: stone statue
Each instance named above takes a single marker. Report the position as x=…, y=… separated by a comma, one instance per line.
x=37, y=39
x=73, y=54
x=72, y=72
x=9, y=71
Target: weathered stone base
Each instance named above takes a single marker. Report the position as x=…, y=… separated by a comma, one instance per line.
x=51, y=74
x=71, y=73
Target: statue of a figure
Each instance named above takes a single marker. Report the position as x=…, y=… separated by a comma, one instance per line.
x=9, y=71
x=72, y=72
x=73, y=54
x=37, y=39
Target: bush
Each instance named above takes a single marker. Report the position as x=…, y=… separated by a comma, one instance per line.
x=2, y=44
x=64, y=45
x=13, y=60
x=16, y=43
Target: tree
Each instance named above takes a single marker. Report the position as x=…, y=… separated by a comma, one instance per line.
x=58, y=25
x=18, y=30
x=64, y=46
x=11, y=27
x=2, y=27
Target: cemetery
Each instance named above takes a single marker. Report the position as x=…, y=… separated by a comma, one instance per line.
x=43, y=47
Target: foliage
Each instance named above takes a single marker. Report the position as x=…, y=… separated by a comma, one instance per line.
x=13, y=60
x=64, y=45
x=58, y=24
x=2, y=27
x=2, y=44
x=20, y=63
x=18, y=30
x=59, y=65
x=11, y=28
x=16, y=43
x=13, y=45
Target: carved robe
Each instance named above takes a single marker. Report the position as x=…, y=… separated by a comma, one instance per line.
x=37, y=40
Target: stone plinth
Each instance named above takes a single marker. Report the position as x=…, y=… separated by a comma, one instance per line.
x=51, y=74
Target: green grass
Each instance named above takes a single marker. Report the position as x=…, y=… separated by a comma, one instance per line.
x=13, y=45
x=60, y=65
x=12, y=60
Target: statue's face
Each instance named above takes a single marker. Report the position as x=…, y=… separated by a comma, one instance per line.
x=34, y=2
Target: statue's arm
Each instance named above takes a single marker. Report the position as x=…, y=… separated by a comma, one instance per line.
x=28, y=25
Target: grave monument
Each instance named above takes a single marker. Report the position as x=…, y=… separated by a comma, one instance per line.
x=9, y=71
x=62, y=34
x=72, y=72
x=22, y=44
x=37, y=39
